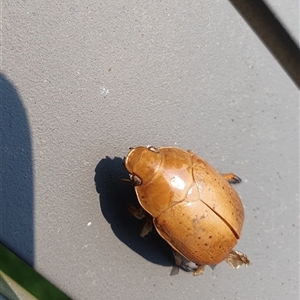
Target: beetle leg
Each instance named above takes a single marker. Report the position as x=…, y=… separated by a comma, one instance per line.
x=199, y=270
x=184, y=264
x=133, y=180
x=231, y=178
x=139, y=213
x=175, y=270
x=147, y=227
x=236, y=258
x=136, y=180
x=127, y=181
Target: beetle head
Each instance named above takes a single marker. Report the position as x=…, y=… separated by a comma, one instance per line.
x=142, y=162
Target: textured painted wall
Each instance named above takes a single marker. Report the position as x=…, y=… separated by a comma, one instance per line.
x=96, y=77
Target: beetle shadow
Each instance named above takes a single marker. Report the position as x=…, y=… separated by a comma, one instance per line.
x=114, y=198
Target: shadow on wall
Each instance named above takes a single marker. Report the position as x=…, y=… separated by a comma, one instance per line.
x=114, y=198
x=16, y=180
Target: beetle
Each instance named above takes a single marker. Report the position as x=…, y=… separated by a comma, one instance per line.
x=192, y=206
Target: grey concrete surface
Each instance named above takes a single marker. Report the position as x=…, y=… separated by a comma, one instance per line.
x=84, y=80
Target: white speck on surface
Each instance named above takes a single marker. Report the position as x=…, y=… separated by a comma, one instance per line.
x=86, y=163
x=104, y=91
x=89, y=224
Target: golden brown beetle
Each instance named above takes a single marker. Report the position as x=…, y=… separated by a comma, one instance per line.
x=192, y=206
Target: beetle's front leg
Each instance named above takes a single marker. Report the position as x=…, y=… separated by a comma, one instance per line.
x=133, y=180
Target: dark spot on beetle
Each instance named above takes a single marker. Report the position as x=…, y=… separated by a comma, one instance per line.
x=210, y=236
x=205, y=244
x=199, y=237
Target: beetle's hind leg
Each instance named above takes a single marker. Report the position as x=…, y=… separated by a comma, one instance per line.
x=199, y=270
x=231, y=178
x=186, y=265
x=236, y=258
x=140, y=214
